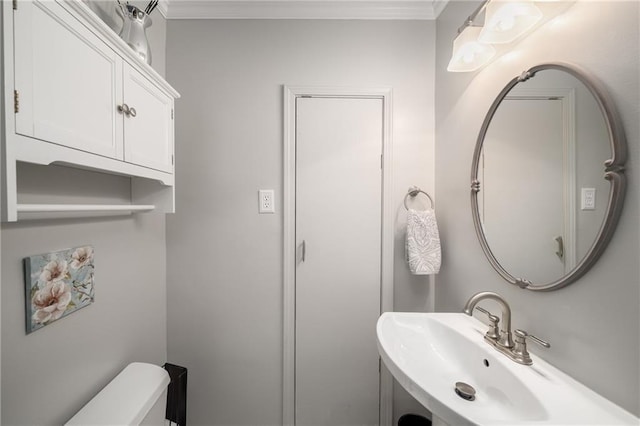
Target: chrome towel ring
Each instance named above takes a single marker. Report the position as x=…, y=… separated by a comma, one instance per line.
x=414, y=191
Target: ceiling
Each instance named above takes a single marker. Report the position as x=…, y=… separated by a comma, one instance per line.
x=302, y=9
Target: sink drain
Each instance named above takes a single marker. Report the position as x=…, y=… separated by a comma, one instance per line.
x=465, y=391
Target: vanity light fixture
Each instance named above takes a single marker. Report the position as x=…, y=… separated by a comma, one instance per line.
x=469, y=54
x=505, y=21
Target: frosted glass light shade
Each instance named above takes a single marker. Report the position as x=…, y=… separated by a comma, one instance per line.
x=468, y=53
x=506, y=20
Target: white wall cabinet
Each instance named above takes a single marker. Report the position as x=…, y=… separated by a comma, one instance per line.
x=75, y=94
x=148, y=127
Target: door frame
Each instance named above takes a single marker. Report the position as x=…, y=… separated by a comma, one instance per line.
x=290, y=94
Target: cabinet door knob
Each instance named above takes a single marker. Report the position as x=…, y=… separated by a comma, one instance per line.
x=133, y=112
x=124, y=108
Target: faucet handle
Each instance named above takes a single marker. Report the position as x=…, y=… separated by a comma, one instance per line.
x=492, y=318
x=492, y=333
x=521, y=336
x=519, y=351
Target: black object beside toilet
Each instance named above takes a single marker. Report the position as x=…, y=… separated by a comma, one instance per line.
x=177, y=394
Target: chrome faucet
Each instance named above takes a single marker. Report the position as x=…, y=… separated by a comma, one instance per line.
x=502, y=341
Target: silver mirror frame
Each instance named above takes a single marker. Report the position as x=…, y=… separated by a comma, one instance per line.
x=613, y=172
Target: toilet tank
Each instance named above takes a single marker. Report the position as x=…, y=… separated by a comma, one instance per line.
x=139, y=390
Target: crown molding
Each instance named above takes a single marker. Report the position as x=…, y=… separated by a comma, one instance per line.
x=438, y=7
x=302, y=9
x=163, y=6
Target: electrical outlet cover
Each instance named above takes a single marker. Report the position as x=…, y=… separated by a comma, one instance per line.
x=266, y=201
x=588, y=201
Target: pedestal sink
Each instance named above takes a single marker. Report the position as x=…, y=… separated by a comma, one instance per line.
x=428, y=353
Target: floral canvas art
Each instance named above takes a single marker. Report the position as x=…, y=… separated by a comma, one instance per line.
x=57, y=284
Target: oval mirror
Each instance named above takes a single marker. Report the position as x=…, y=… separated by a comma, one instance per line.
x=547, y=180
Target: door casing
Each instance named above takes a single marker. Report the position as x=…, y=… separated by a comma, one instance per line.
x=386, y=297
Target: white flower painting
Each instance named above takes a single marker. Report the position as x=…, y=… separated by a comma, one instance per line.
x=58, y=284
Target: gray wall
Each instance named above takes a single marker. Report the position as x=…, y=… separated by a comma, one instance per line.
x=594, y=324
x=225, y=297
x=50, y=374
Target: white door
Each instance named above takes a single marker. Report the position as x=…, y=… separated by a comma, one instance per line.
x=338, y=275
x=523, y=188
x=68, y=81
x=148, y=129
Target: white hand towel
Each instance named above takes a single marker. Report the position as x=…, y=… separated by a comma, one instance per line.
x=423, y=242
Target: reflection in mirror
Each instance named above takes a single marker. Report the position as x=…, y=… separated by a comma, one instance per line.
x=546, y=142
x=539, y=165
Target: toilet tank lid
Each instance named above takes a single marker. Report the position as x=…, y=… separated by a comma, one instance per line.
x=127, y=399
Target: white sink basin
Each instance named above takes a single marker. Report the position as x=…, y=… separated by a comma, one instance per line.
x=429, y=353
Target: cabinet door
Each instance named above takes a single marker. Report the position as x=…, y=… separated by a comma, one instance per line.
x=69, y=81
x=148, y=129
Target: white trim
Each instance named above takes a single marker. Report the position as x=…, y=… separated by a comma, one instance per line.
x=289, y=188
x=386, y=273
x=163, y=8
x=438, y=7
x=3, y=102
x=570, y=171
x=8, y=189
x=302, y=9
x=386, y=299
x=567, y=97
